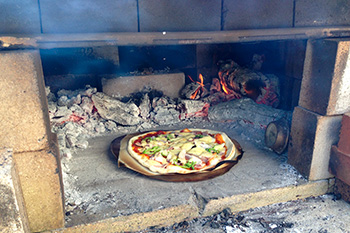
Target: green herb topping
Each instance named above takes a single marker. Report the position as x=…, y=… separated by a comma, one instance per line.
x=152, y=150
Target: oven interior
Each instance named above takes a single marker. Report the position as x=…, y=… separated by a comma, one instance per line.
x=96, y=188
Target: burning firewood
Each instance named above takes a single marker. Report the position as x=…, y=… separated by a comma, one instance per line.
x=237, y=81
x=194, y=90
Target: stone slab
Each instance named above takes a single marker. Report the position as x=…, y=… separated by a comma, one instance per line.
x=169, y=83
x=137, y=222
x=247, y=201
x=344, y=138
x=325, y=86
x=311, y=138
x=309, y=13
x=12, y=213
x=254, y=14
x=25, y=124
x=179, y=15
x=105, y=190
x=89, y=16
x=339, y=165
x=19, y=17
x=40, y=184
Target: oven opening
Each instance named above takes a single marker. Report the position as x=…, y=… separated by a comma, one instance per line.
x=97, y=94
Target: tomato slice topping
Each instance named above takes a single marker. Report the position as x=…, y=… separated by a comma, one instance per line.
x=219, y=139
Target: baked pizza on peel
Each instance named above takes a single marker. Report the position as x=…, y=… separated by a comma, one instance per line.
x=182, y=151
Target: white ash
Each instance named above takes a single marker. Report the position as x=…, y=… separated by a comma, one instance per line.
x=247, y=110
x=81, y=114
x=110, y=108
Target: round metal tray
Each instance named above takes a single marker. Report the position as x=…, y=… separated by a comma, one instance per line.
x=119, y=150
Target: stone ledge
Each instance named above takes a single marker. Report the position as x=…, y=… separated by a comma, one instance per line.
x=136, y=222
x=236, y=203
x=247, y=201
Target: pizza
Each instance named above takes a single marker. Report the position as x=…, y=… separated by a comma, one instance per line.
x=181, y=151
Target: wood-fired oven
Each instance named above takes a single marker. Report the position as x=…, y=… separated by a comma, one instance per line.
x=93, y=49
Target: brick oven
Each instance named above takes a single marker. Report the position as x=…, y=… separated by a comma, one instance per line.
x=305, y=43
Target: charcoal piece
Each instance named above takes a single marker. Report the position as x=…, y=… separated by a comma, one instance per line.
x=112, y=109
x=188, y=92
x=165, y=116
x=87, y=105
x=215, y=225
x=145, y=107
x=193, y=106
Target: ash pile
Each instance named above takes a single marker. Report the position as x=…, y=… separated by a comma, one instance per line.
x=241, y=97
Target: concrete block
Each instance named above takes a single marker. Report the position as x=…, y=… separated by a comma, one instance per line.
x=326, y=81
x=12, y=212
x=180, y=15
x=19, y=17
x=322, y=13
x=41, y=186
x=342, y=189
x=254, y=14
x=169, y=83
x=339, y=165
x=77, y=16
x=344, y=138
x=25, y=124
x=311, y=138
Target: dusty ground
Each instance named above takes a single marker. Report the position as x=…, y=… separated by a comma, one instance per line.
x=324, y=214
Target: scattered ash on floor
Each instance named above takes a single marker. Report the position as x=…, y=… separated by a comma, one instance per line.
x=227, y=222
x=324, y=214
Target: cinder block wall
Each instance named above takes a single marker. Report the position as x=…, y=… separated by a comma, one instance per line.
x=26, y=130
x=89, y=16
x=324, y=97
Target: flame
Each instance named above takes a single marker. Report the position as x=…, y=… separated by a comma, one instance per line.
x=194, y=94
x=202, y=80
x=190, y=78
x=224, y=87
x=201, y=85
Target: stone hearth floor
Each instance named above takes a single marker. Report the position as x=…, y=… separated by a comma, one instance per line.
x=102, y=197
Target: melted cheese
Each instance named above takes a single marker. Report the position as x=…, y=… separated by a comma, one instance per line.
x=207, y=139
x=196, y=150
x=187, y=146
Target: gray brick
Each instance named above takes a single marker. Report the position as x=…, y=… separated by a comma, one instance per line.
x=257, y=14
x=19, y=17
x=180, y=15
x=77, y=16
x=24, y=119
x=170, y=84
x=325, y=86
x=311, y=138
x=322, y=13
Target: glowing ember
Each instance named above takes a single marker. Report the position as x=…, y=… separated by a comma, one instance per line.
x=224, y=87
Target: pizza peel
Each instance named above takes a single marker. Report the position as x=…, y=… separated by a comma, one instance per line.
x=119, y=150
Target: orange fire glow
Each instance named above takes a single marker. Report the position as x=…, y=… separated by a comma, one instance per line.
x=224, y=87
x=201, y=85
x=194, y=94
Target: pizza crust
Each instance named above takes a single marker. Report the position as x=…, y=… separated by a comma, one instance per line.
x=157, y=167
